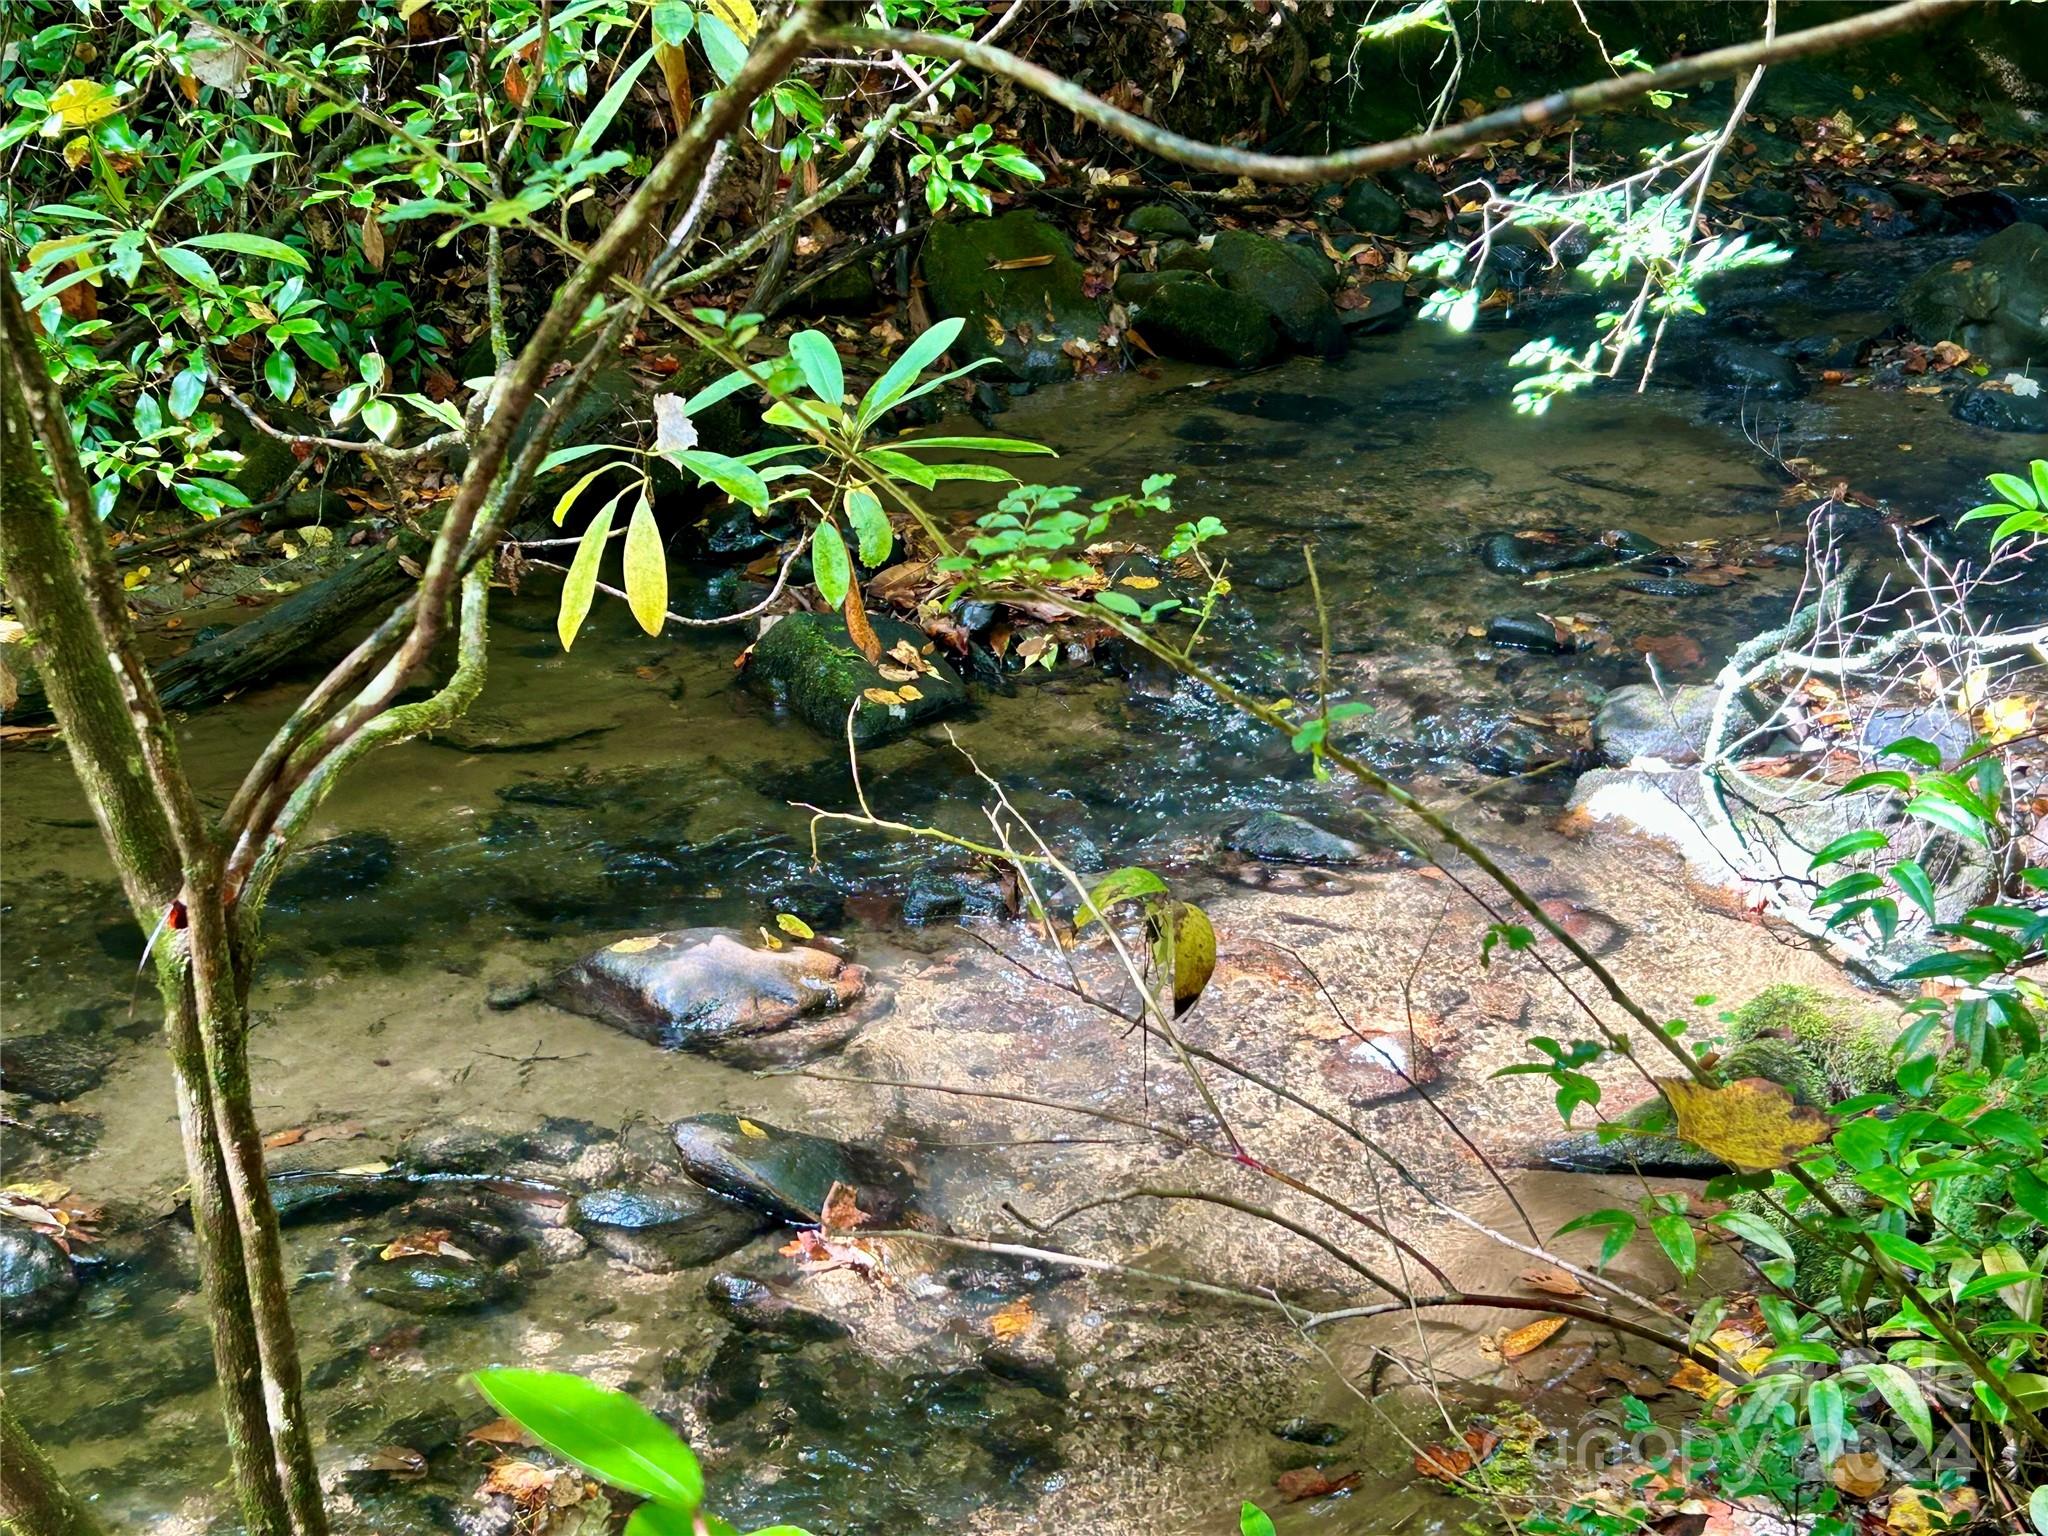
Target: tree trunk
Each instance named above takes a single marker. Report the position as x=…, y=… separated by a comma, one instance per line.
x=32, y=1501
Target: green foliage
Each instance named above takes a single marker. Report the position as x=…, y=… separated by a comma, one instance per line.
x=951, y=171
x=617, y=1441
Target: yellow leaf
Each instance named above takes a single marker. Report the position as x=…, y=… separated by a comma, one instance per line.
x=77, y=152
x=748, y=1128
x=794, y=926
x=737, y=14
x=881, y=696
x=908, y=692
x=1184, y=946
x=1530, y=1337
x=1139, y=583
x=2005, y=719
x=638, y=946
x=1751, y=1124
x=1920, y=1511
x=1008, y=1322
x=80, y=104
x=1973, y=688
x=1699, y=1381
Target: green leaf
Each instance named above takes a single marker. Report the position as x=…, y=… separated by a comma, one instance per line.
x=1921, y=751
x=1848, y=844
x=1903, y=1396
x=604, y=1432
x=2039, y=470
x=228, y=167
x=1619, y=1225
x=901, y=466
x=672, y=21
x=1950, y=817
x=1674, y=1235
x=1119, y=602
x=249, y=245
x=819, y=361
x=976, y=444
x=1903, y=1250
x=902, y=373
x=722, y=46
x=2015, y=490
x=829, y=564
x=381, y=417
x=1827, y=1410
x=279, y=372
x=870, y=526
x=191, y=266
x=662, y=1520
x=568, y=497
x=1254, y=1521
x=1131, y=883
x=729, y=475
x=607, y=108
x=646, y=568
x=1882, y=778
x=187, y=389
x=580, y=585
x=1913, y=880
x=1754, y=1229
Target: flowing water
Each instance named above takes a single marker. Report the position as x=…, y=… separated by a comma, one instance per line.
x=633, y=784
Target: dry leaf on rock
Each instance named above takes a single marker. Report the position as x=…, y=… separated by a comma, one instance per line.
x=1751, y=1124
x=1530, y=1337
x=1450, y=1464
x=1554, y=1281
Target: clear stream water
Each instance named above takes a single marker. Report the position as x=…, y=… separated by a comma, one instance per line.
x=631, y=783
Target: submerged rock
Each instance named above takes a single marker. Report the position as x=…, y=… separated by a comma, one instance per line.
x=784, y=1174
x=754, y=1306
x=52, y=1067
x=1370, y=209
x=37, y=1282
x=1994, y=301
x=1201, y=323
x=1020, y=316
x=662, y=1229
x=2005, y=409
x=1263, y=269
x=809, y=662
x=695, y=988
x=937, y=894
x=1282, y=838
x=1537, y=551
x=430, y=1282
x=1137, y=287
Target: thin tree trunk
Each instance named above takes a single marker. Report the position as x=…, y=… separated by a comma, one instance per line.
x=33, y=1502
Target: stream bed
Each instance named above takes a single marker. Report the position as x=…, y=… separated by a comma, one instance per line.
x=632, y=785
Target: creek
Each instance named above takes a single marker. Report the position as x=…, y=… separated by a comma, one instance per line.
x=631, y=784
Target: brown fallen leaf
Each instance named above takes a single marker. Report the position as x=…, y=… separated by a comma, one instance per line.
x=1019, y=263
x=841, y=1211
x=398, y=1460
x=427, y=1244
x=1859, y=1474
x=1530, y=1337
x=1310, y=1483
x=501, y=1432
x=1548, y=1278
x=1013, y=1319
x=1450, y=1465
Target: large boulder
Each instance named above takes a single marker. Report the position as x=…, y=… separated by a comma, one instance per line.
x=695, y=988
x=783, y=1174
x=1201, y=323
x=1642, y=720
x=1280, y=838
x=1019, y=315
x=1994, y=301
x=1159, y=221
x=52, y=1068
x=659, y=1229
x=36, y=1278
x=2014, y=403
x=809, y=662
x=1263, y=269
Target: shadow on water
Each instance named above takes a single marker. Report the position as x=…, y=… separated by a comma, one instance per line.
x=632, y=784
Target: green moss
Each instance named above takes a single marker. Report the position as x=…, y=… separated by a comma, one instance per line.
x=808, y=662
x=1848, y=1041
x=1970, y=1206
x=1263, y=269
x=1019, y=316
x=1783, y=1062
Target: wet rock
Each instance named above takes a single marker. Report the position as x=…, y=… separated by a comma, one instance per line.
x=783, y=1174
x=430, y=1282
x=1656, y=1156
x=37, y=1282
x=1385, y=308
x=808, y=662
x=2005, y=409
x=662, y=1229
x=1994, y=301
x=1260, y=268
x=53, y=1067
x=696, y=988
x=1948, y=732
x=1744, y=367
x=808, y=896
x=1527, y=632
x=334, y=870
x=741, y=535
x=754, y=1306
x=1639, y=720
x=1866, y=213
x=1311, y=1432
x=938, y=894
x=1160, y=221
x=1312, y=261
x=849, y=291
x=1281, y=838
x=1137, y=287
x=1983, y=212
x=1768, y=202
x=964, y=277
x=1535, y=551
x=1370, y=209
x=1415, y=188
x=1183, y=256
x=314, y=1195
x=1201, y=323
x=1515, y=747
x=461, y=1148
x=1379, y=1067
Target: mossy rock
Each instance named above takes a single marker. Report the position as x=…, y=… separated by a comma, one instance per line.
x=1314, y=263
x=1160, y=221
x=1995, y=301
x=1265, y=270
x=1847, y=1041
x=1183, y=256
x=1137, y=287
x=1371, y=209
x=1020, y=316
x=1201, y=323
x=809, y=662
